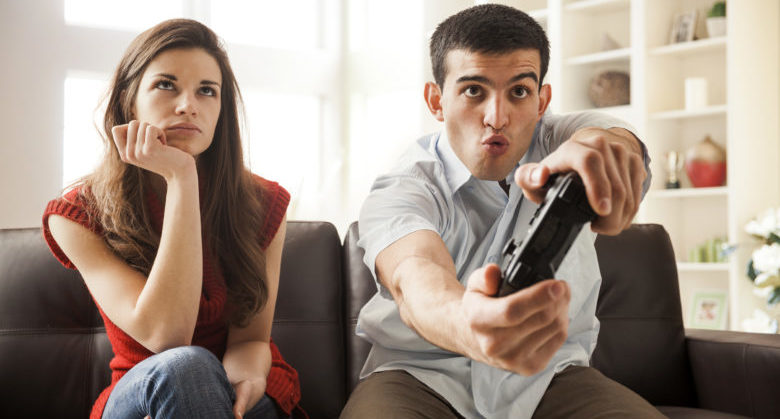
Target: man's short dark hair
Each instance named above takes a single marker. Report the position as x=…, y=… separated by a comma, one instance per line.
x=491, y=29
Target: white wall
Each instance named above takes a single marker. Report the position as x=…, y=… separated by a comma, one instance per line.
x=36, y=49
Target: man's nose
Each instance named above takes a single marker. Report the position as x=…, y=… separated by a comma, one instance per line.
x=496, y=113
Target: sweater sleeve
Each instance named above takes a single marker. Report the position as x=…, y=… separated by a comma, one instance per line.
x=73, y=207
x=274, y=199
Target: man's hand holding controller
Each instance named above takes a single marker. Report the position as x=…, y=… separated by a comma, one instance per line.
x=521, y=331
x=553, y=229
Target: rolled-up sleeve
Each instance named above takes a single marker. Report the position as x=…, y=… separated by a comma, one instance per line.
x=558, y=128
x=398, y=205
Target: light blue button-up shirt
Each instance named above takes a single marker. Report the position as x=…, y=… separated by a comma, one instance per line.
x=431, y=189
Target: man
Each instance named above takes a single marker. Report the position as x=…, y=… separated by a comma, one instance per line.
x=433, y=231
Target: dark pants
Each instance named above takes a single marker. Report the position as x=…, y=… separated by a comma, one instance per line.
x=575, y=392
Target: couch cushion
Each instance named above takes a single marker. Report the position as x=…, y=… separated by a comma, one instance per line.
x=54, y=352
x=308, y=323
x=642, y=342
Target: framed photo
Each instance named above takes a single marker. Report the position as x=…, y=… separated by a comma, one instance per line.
x=709, y=309
x=683, y=27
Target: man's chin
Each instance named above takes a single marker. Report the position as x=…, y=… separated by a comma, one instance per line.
x=494, y=175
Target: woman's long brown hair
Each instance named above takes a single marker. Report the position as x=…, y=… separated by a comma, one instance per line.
x=231, y=213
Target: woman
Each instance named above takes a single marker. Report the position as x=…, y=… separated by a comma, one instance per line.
x=178, y=243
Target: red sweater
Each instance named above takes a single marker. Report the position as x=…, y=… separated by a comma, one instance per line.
x=211, y=328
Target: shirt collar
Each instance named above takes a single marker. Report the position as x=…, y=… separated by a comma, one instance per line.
x=456, y=173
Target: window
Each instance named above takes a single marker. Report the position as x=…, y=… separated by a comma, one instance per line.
x=82, y=145
x=284, y=143
x=289, y=24
x=136, y=15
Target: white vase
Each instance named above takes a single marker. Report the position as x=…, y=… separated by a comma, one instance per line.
x=716, y=26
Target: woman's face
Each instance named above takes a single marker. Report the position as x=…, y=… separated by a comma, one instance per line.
x=180, y=93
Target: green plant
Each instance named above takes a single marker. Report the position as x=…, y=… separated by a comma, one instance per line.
x=718, y=9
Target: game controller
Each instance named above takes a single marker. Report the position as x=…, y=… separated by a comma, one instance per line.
x=554, y=226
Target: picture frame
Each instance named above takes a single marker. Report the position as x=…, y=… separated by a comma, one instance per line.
x=683, y=27
x=709, y=309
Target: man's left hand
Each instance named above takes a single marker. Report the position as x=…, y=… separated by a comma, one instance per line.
x=611, y=166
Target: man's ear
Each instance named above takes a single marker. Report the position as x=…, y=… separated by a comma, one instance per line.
x=433, y=100
x=545, y=94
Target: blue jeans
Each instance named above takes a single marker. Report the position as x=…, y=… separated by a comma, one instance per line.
x=184, y=382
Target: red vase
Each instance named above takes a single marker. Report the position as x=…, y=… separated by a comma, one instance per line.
x=705, y=164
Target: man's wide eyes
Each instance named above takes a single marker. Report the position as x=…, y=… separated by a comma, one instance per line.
x=472, y=91
x=520, y=92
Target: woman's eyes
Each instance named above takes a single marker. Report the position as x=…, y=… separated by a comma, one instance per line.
x=208, y=91
x=164, y=85
x=168, y=85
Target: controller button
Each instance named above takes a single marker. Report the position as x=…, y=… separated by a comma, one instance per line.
x=509, y=247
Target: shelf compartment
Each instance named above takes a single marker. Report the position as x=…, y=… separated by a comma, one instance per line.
x=683, y=113
x=702, y=267
x=688, y=192
x=597, y=6
x=684, y=48
x=622, y=54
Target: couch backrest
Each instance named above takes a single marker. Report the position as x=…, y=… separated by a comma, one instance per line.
x=309, y=319
x=54, y=352
x=641, y=343
x=360, y=287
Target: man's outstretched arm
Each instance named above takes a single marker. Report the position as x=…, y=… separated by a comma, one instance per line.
x=519, y=332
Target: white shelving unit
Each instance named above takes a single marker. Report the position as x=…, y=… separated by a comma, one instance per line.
x=641, y=31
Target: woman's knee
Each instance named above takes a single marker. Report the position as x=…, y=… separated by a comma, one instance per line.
x=187, y=364
x=173, y=383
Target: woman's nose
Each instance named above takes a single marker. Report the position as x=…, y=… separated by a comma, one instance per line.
x=186, y=105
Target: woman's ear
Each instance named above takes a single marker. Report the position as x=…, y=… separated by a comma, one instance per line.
x=433, y=100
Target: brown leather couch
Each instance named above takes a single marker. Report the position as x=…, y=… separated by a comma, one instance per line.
x=54, y=353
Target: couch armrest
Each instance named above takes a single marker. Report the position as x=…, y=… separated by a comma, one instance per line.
x=736, y=372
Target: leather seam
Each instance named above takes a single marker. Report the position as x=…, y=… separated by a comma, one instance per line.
x=745, y=345
x=41, y=331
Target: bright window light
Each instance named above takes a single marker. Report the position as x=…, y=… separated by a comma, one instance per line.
x=284, y=142
x=82, y=146
x=376, y=144
x=385, y=24
x=290, y=24
x=136, y=15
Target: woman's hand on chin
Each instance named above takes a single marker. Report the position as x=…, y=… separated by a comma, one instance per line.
x=144, y=145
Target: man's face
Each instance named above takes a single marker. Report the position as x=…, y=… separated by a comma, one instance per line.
x=490, y=104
